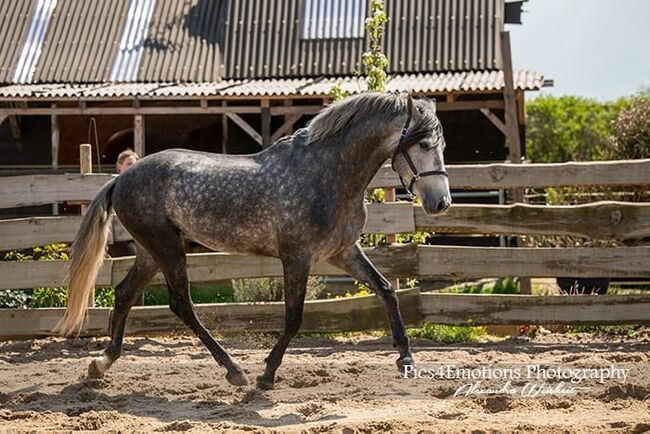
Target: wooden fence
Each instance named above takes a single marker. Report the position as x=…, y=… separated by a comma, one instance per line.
x=600, y=220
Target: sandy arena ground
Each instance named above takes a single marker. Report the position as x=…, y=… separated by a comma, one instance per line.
x=325, y=385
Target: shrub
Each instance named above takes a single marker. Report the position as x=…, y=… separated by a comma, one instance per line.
x=271, y=289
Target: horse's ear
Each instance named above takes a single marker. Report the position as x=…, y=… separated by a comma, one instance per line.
x=410, y=105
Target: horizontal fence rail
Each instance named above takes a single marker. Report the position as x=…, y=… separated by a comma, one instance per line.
x=392, y=261
x=599, y=220
x=31, y=190
x=352, y=314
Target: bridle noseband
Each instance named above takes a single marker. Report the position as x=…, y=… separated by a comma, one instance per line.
x=402, y=149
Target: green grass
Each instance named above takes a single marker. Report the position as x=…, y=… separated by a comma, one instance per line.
x=508, y=285
x=449, y=334
x=204, y=294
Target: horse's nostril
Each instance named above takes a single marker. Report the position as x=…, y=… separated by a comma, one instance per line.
x=442, y=205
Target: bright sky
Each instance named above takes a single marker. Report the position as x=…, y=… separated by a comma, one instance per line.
x=593, y=48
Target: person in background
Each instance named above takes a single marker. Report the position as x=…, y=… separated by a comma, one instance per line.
x=125, y=160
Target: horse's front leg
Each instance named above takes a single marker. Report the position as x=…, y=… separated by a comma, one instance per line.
x=296, y=273
x=354, y=261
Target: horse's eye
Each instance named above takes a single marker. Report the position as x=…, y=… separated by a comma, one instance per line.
x=424, y=146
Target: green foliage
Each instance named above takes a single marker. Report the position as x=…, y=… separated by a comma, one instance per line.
x=272, y=289
x=568, y=128
x=105, y=297
x=448, y=334
x=14, y=298
x=374, y=60
x=337, y=93
x=629, y=331
x=630, y=133
x=213, y=294
x=50, y=297
x=508, y=285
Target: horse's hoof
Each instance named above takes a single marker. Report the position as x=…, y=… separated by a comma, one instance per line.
x=406, y=366
x=94, y=371
x=237, y=378
x=264, y=383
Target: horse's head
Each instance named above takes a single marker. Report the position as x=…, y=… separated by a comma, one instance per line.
x=418, y=159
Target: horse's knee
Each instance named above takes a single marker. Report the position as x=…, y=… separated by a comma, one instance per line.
x=292, y=326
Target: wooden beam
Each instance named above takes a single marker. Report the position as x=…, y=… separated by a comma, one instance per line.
x=600, y=220
x=393, y=261
x=265, y=119
x=469, y=105
x=155, y=110
x=286, y=126
x=459, y=309
x=494, y=119
x=506, y=175
x=14, y=125
x=139, y=135
x=337, y=315
x=224, y=129
x=512, y=126
x=246, y=127
x=452, y=262
x=32, y=190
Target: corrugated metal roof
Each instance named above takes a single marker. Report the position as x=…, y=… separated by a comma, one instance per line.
x=418, y=83
x=205, y=40
x=81, y=41
x=15, y=18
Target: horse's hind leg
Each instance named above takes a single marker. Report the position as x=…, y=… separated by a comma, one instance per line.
x=355, y=262
x=127, y=292
x=170, y=255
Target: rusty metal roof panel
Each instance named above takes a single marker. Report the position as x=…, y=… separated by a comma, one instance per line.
x=15, y=19
x=430, y=83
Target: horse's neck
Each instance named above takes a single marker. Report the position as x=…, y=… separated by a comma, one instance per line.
x=358, y=161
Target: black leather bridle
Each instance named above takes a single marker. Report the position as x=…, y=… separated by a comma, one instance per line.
x=402, y=149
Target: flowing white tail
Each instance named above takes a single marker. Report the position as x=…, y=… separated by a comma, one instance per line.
x=87, y=253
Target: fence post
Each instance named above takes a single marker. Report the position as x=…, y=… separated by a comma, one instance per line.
x=86, y=166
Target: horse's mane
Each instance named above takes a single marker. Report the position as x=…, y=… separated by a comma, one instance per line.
x=381, y=107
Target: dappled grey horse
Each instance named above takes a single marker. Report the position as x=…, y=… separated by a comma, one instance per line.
x=300, y=200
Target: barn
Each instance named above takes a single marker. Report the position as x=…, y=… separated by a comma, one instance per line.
x=233, y=76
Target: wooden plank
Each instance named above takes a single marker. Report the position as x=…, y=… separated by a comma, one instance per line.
x=37, y=231
x=346, y=314
x=244, y=126
x=474, y=262
x=458, y=309
x=133, y=110
x=600, y=220
x=286, y=126
x=494, y=119
x=31, y=190
x=506, y=175
x=30, y=323
x=469, y=105
x=339, y=315
x=265, y=119
x=34, y=274
x=513, y=140
x=390, y=218
x=138, y=135
x=393, y=261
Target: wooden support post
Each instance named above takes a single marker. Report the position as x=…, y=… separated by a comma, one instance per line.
x=14, y=124
x=246, y=127
x=224, y=129
x=512, y=127
x=138, y=135
x=86, y=167
x=54, y=122
x=266, y=123
x=391, y=238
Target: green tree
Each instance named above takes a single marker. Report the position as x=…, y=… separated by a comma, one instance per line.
x=374, y=59
x=568, y=128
